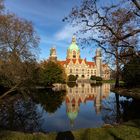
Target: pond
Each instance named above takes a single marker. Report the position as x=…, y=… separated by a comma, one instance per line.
x=66, y=107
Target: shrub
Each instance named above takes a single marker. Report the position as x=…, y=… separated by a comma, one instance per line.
x=93, y=77
x=97, y=78
x=131, y=72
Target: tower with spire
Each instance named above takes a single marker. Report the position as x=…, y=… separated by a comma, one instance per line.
x=98, y=61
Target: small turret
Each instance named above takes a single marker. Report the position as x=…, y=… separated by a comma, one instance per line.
x=98, y=52
x=53, y=56
x=98, y=61
x=73, y=39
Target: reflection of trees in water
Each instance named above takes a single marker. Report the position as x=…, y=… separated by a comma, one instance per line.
x=96, y=84
x=111, y=110
x=19, y=114
x=116, y=110
x=50, y=100
x=71, y=84
x=131, y=109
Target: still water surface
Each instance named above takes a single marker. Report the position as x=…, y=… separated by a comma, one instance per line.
x=49, y=110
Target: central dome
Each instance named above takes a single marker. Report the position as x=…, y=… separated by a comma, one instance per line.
x=73, y=45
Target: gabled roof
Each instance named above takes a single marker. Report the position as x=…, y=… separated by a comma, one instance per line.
x=62, y=62
x=90, y=64
x=67, y=61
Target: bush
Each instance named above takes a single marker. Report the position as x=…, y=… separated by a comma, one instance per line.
x=131, y=72
x=93, y=77
x=97, y=78
x=72, y=78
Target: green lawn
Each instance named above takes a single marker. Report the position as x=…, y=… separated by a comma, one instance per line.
x=130, y=92
x=111, y=81
x=108, y=81
x=131, y=131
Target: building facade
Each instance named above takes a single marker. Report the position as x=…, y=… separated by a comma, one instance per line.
x=83, y=69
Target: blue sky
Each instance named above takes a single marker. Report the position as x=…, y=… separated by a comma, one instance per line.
x=47, y=16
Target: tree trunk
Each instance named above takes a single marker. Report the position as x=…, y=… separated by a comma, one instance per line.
x=117, y=80
x=117, y=70
x=9, y=91
x=118, y=112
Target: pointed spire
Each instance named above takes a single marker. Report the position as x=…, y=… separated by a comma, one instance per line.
x=98, y=52
x=73, y=39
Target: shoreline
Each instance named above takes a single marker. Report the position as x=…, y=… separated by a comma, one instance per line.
x=132, y=92
x=129, y=130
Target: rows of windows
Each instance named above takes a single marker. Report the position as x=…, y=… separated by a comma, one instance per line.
x=83, y=70
x=82, y=76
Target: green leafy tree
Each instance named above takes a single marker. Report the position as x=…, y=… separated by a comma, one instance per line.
x=51, y=72
x=131, y=72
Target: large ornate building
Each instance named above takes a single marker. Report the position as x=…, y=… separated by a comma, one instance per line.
x=83, y=69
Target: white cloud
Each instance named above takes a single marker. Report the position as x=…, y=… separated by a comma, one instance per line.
x=66, y=33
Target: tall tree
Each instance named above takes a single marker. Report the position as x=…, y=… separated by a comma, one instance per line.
x=17, y=38
x=113, y=27
x=51, y=72
x=131, y=72
x=18, y=47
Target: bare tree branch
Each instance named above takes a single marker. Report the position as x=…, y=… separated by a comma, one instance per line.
x=137, y=4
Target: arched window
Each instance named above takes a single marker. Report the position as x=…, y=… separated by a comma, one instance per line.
x=83, y=76
x=70, y=70
x=74, y=54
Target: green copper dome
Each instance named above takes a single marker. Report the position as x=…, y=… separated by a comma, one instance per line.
x=73, y=45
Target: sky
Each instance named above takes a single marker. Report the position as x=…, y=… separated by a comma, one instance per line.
x=47, y=16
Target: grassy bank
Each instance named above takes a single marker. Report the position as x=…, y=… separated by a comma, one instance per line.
x=108, y=81
x=130, y=131
x=133, y=92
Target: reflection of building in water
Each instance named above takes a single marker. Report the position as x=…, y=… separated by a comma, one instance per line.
x=83, y=93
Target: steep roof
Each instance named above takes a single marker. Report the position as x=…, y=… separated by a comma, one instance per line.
x=90, y=64
x=67, y=61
